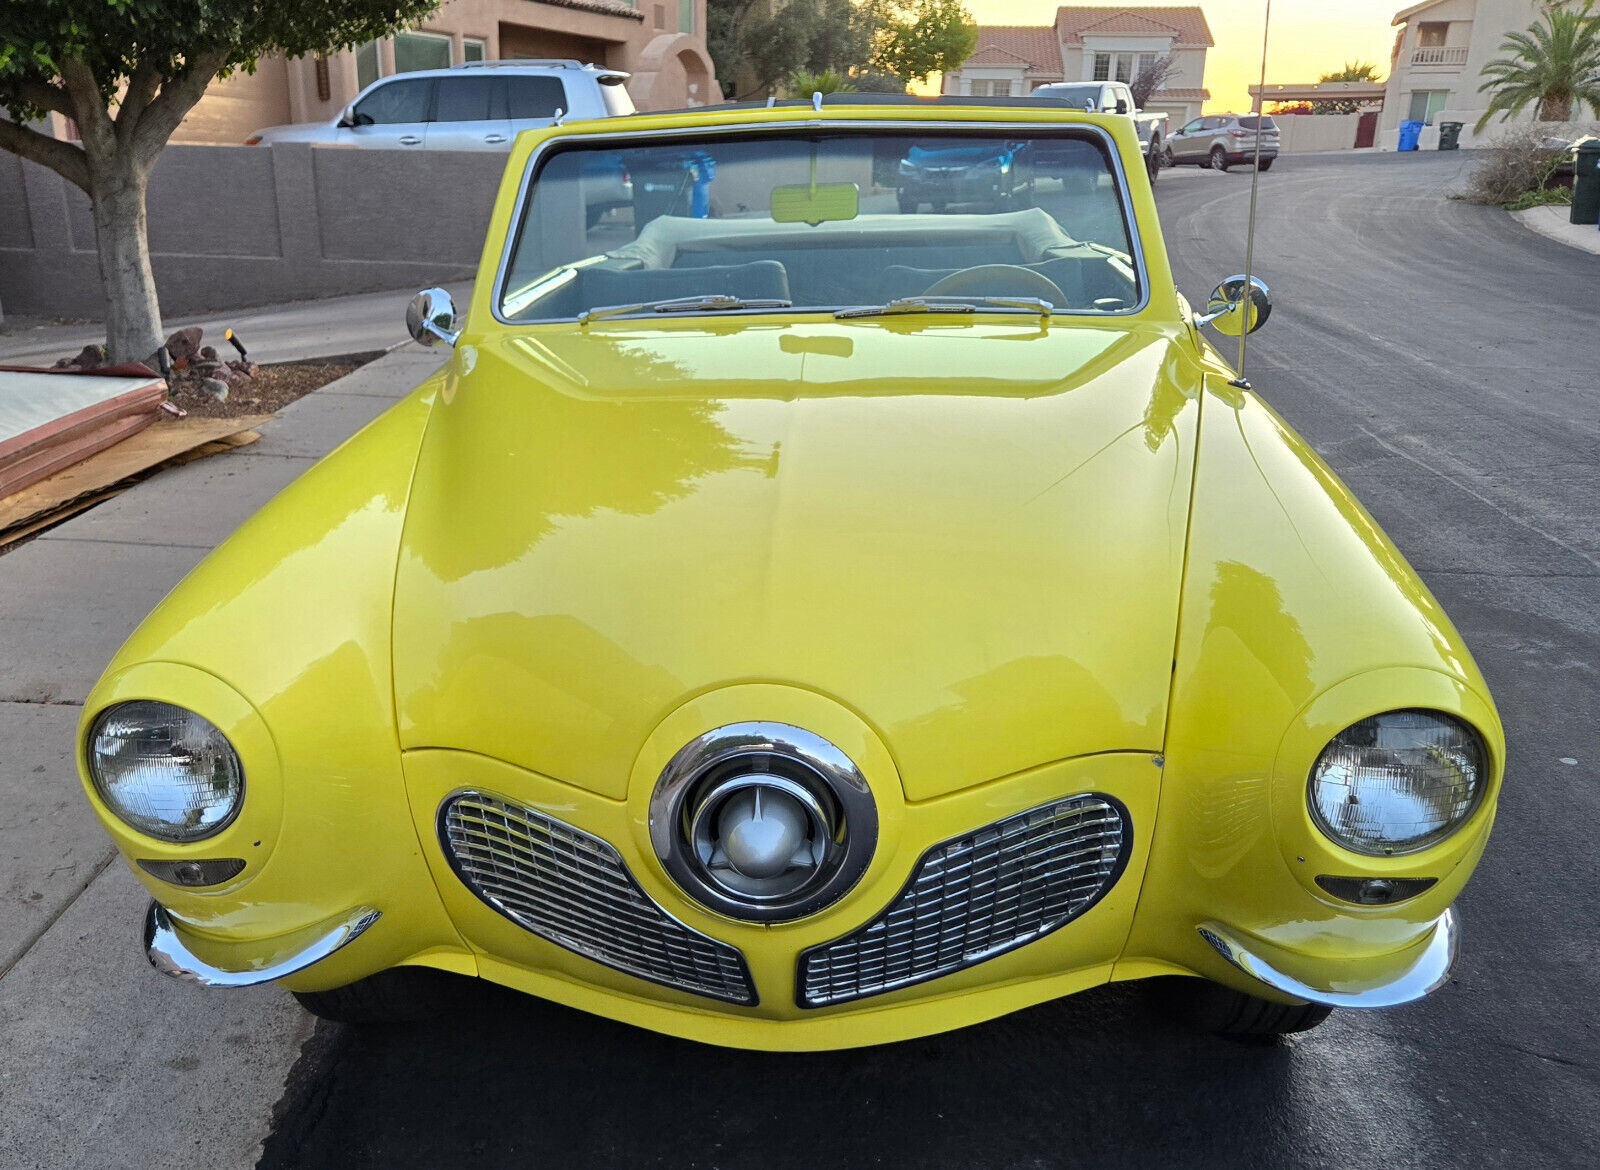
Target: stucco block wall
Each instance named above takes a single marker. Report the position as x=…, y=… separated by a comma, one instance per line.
x=236, y=226
x=1299, y=133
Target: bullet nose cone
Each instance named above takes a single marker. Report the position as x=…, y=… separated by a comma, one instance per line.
x=761, y=829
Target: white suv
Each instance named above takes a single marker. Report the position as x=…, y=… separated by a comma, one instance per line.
x=477, y=106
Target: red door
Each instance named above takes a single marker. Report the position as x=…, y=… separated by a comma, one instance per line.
x=1367, y=129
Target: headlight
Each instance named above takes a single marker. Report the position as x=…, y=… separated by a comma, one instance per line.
x=164, y=770
x=1398, y=782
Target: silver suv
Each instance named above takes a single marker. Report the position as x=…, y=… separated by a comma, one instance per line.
x=1220, y=141
x=478, y=106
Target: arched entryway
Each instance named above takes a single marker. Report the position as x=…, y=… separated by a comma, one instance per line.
x=672, y=72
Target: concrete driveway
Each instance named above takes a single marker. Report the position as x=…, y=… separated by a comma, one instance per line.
x=1440, y=356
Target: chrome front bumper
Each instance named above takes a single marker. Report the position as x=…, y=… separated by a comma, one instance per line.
x=171, y=955
x=1427, y=969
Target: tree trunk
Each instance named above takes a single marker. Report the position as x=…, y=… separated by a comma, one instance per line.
x=1555, y=108
x=133, y=316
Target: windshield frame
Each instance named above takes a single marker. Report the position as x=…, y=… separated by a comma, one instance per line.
x=791, y=126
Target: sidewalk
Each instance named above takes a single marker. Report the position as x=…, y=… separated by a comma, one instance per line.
x=105, y=1063
x=277, y=333
x=1553, y=221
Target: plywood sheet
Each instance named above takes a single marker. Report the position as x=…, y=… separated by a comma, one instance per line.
x=99, y=476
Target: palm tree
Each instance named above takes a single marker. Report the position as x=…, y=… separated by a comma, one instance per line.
x=1555, y=63
x=804, y=83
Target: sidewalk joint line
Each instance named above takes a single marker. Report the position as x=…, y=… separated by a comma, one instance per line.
x=44, y=928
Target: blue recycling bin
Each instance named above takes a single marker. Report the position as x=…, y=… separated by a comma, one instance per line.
x=1410, y=132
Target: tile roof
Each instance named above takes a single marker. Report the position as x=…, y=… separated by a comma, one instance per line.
x=600, y=7
x=1189, y=23
x=1181, y=95
x=1004, y=44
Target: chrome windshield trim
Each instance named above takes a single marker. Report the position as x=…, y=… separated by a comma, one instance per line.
x=1427, y=972
x=169, y=954
x=960, y=126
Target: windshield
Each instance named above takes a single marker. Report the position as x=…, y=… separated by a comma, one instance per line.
x=1081, y=96
x=821, y=221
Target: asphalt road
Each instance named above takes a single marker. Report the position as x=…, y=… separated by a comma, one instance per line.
x=1446, y=362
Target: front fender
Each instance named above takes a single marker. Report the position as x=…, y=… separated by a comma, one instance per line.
x=281, y=637
x=1298, y=618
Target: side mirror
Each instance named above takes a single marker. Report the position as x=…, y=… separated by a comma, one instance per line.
x=1122, y=106
x=1232, y=313
x=431, y=318
x=347, y=117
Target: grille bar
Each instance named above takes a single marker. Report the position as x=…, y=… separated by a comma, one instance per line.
x=573, y=889
x=975, y=897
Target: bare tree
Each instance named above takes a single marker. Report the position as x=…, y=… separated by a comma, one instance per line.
x=1151, y=78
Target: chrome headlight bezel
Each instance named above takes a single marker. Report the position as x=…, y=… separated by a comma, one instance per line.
x=216, y=749
x=1464, y=810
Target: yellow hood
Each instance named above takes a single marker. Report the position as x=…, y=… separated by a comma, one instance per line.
x=970, y=534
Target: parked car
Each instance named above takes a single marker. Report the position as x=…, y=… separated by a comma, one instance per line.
x=765, y=628
x=996, y=174
x=1114, y=97
x=482, y=105
x=1220, y=141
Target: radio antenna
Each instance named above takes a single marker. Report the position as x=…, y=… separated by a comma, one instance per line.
x=1248, y=303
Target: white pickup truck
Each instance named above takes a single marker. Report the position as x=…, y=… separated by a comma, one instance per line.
x=1114, y=97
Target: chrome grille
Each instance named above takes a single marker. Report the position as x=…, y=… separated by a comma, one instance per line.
x=573, y=889
x=976, y=897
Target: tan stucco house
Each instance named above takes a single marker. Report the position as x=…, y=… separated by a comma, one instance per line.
x=661, y=42
x=1439, y=55
x=1093, y=44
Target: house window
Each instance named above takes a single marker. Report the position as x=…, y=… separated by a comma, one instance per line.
x=1145, y=61
x=472, y=49
x=1117, y=66
x=1426, y=104
x=366, y=64
x=414, y=50
x=1432, y=34
x=686, y=16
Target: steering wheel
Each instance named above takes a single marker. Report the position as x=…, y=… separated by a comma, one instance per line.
x=999, y=280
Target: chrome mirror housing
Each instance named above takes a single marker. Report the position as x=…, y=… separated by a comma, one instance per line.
x=1232, y=313
x=431, y=318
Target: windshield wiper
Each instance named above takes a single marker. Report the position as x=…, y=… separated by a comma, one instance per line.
x=952, y=304
x=712, y=303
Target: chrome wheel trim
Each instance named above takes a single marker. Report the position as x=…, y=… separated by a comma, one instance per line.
x=709, y=769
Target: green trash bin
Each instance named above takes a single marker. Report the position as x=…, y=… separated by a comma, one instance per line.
x=1450, y=135
x=1586, y=183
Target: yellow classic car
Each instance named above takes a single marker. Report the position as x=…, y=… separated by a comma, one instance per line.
x=792, y=621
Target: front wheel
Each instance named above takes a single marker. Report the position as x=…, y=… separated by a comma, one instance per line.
x=1219, y=159
x=1211, y=1007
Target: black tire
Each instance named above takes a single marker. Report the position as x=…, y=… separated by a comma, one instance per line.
x=1167, y=157
x=908, y=205
x=1218, y=159
x=1152, y=163
x=1222, y=1011
x=400, y=995
x=1266, y=164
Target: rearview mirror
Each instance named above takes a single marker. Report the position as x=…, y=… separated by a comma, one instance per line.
x=431, y=318
x=1232, y=313
x=814, y=204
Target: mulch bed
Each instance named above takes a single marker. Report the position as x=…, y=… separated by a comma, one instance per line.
x=272, y=389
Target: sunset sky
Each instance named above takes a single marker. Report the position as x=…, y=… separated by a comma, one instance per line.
x=1309, y=37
